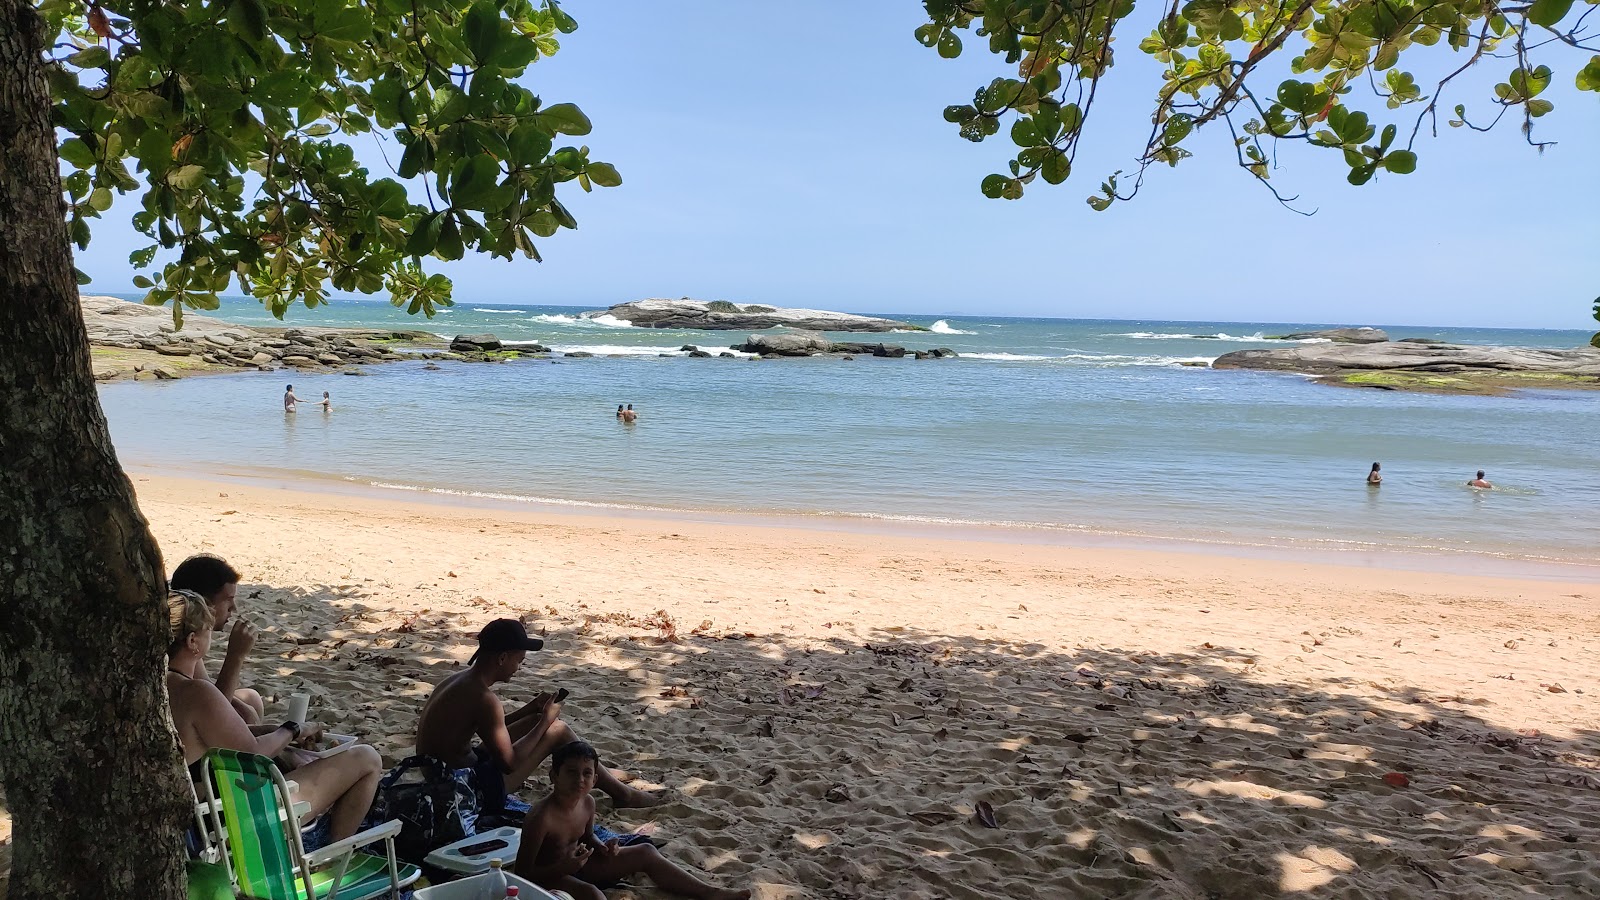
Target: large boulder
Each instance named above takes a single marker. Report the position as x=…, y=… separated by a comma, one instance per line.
x=720, y=315
x=793, y=343
x=470, y=343
x=1332, y=359
x=1340, y=335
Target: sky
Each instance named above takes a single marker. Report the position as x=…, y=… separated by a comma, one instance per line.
x=794, y=155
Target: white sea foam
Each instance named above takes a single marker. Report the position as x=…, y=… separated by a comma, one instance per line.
x=1006, y=357
x=943, y=327
x=633, y=350
x=1099, y=359
x=604, y=320
x=1257, y=338
x=498, y=312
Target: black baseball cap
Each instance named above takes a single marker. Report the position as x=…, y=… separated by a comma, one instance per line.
x=504, y=636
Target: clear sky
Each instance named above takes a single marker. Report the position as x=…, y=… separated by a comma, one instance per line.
x=794, y=154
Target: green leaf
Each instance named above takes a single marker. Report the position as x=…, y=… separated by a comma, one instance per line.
x=426, y=235
x=949, y=45
x=100, y=199
x=993, y=186
x=450, y=246
x=76, y=152
x=96, y=57
x=1401, y=162
x=81, y=275
x=1057, y=168
x=1548, y=12
x=1537, y=108
x=604, y=174
x=186, y=178
x=563, y=22
x=565, y=118
x=1589, y=77
x=414, y=159
x=143, y=283
x=481, y=28
x=473, y=180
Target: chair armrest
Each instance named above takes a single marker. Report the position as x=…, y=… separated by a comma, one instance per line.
x=354, y=842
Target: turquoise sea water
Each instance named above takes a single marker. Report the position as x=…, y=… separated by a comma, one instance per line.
x=1069, y=425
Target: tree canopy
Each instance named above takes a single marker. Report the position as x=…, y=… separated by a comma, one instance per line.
x=236, y=115
x=1326, y=73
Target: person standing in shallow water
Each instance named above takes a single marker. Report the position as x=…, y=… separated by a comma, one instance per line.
x=1480, y=482
x=289, y=399
x=1375, y=477
x=628, y=416
x=619, y=411
x=326, y=403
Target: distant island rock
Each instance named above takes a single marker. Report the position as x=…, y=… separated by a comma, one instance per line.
x=720, y=315
x=1337, y=335
x=811, y=343
x=1428, y=366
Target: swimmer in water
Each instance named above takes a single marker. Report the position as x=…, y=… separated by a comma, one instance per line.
x=1375, y=477
x=619, y=410
x=628, y=415
x=289, y=399
x=325, y=403
x=1480, y=482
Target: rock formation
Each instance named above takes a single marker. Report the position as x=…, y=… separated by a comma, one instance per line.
x=1338, y=335
x=720, y=315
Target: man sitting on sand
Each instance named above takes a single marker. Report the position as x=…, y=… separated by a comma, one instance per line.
x=1480, y=482
x=218, y=583
x=509, y=747
x=559, y=849
x=341, y=785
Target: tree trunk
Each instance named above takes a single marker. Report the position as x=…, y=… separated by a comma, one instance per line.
x=87, y=752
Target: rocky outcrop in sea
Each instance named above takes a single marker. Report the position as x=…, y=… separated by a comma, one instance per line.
x=1423, y=365
x=720, y=315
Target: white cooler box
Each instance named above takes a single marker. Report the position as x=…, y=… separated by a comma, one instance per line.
x=472, y=889
x=472, y=854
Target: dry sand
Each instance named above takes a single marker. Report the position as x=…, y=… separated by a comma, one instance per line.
x=843, y=715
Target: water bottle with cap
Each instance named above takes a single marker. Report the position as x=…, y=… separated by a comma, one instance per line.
x=494, y=886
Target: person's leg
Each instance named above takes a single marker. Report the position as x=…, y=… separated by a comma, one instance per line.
x=343, y=786
x=609, y=780
x=666, y=874
x=249, y=705
x=580, y=890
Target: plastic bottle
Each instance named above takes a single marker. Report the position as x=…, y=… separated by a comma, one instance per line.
x=513, y=892
x=494, y=887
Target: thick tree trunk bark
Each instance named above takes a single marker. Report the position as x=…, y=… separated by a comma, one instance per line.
x=87, y=751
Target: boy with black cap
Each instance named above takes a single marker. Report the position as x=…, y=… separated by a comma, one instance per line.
x=509, y=747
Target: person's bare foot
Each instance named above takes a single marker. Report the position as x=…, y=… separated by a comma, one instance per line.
x=634, y=798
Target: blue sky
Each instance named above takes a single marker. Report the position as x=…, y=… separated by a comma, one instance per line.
x=795, y=155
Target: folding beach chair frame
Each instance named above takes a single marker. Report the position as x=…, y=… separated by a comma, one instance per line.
x=214, y=833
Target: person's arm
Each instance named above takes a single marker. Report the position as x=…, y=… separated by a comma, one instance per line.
x=609, y=848
x=219, y=726
x=493, y=734
x=533, y=707
x=241, y=639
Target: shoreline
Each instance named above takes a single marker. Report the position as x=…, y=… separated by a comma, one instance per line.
x=1068, y=539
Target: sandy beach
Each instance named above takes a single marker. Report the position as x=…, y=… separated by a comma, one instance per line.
x=844, y=715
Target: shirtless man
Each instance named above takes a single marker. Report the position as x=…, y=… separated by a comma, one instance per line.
x=629, y=416
x=289, y=399
x=464, y=706
x=559, y=850
x=218, y=583
x=1480, y=482
x=341, y=785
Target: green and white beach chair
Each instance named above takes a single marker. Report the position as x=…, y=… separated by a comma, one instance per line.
x=251, y=810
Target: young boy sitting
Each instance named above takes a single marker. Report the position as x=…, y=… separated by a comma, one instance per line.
x=559, y=850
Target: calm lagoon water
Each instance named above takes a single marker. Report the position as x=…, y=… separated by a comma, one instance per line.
x=1081, y=426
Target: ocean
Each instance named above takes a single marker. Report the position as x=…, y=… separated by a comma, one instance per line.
x=1048, y=429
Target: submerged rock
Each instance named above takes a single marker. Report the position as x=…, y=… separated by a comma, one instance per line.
x=1339, y=335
